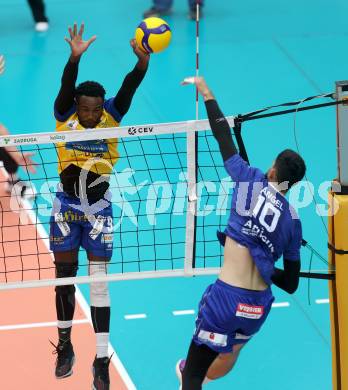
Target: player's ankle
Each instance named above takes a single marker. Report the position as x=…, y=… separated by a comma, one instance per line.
x=64, y=333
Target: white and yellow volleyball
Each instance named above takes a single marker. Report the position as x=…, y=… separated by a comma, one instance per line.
x=153, y=35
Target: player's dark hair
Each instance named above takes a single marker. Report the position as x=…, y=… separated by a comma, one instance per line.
x=290, y=167
x=90, y=88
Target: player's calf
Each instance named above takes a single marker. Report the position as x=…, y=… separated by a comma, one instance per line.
x=224, y=363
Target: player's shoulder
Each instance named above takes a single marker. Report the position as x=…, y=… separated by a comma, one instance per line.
x=239, y=169
x=110, y=108
x=62, y=118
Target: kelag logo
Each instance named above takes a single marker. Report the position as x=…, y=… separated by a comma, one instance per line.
x=139, y=130
x=57, y=137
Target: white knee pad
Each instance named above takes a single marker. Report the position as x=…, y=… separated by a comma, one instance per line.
x=99, y=292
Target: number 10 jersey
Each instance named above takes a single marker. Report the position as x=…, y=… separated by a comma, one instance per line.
x=261, y=218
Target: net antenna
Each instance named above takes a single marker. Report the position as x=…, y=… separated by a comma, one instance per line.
x=192, y=159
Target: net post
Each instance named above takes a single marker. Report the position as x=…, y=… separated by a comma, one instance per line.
x=338, y=253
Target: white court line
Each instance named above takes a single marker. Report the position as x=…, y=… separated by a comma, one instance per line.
x=135, y=316
x=280, y=304
x=183, y=312
x=39, y=325
x=322, y=301
x=115, y=360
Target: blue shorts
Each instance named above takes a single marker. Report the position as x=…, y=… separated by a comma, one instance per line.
x=73, y=225
x=230, y=315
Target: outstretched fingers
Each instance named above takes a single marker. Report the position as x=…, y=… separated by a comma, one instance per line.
x=82, y=29
x=92, y=39
x=75, y=29
x=68, y=40
x=71, y=33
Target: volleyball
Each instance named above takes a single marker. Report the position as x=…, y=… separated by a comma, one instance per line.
x=153, y=35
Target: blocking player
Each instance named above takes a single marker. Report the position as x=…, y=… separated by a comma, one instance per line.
x=82, y=213
x=261, y=228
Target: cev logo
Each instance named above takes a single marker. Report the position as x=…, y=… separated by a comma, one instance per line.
x=139, y=130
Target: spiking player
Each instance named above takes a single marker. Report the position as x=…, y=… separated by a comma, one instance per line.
x=261, y=228
x=82, y=213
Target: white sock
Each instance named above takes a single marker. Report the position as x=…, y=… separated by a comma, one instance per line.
x=64, y=324
x=102, y=344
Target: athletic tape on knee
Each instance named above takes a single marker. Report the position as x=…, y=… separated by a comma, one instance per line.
x=99, y=292
x=66, y=270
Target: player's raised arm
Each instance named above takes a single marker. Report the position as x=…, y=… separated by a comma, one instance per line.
x=218, y=122
x=123, y=99
x=287, y=279
x=65, y=99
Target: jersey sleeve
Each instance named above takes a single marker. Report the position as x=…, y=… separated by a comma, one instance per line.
x=64, y=105
x=109, y=107
x=240, y=171
x=64, y=117
x=292, y=252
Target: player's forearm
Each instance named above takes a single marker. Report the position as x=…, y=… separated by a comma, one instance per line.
x=220, y=127
x=12, y=150
x=287, y=279
x=65, y=98
x=143, y=63
x=129, y=86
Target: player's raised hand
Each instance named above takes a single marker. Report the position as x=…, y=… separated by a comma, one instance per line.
x=77, y=45
x=201, y=85
x=2, y=64
x=142, y=55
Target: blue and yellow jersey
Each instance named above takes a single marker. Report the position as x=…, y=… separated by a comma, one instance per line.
x=98, y=156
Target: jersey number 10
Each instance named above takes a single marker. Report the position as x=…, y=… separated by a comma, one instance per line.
x=264, y=209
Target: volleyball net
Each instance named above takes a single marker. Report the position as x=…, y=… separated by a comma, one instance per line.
x=169, y=193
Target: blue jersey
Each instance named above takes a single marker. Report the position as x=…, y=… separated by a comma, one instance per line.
x=261, y=218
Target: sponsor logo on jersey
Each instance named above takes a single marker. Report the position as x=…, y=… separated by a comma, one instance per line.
x=107, y=238
x=99, y=146
x=252, y=230
x=249, y=311
x=57, y=240
x=73, y=124
x=217, y=339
